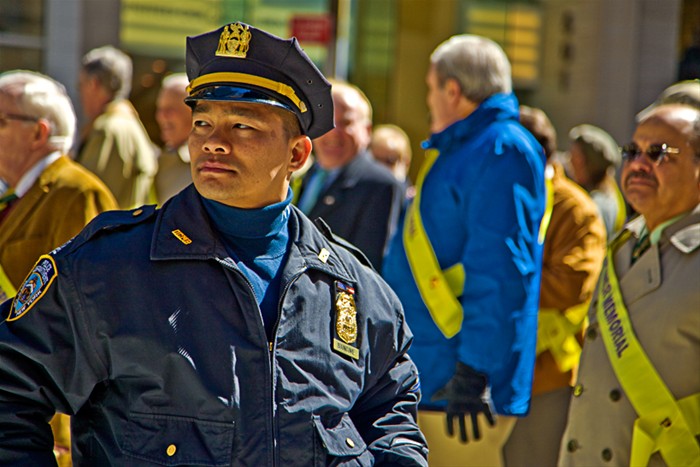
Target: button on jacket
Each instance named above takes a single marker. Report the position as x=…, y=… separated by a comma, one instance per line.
x=151, y=337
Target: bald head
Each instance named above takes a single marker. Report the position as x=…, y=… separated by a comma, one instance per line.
x=174, y=117
x=661, y=188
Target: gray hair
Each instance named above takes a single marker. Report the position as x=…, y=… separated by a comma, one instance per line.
x=478, y=64
x=176, y=81
x=39, y=96
x=112, y=68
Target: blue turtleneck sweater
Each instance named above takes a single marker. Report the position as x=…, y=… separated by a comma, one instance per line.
x=257, y=240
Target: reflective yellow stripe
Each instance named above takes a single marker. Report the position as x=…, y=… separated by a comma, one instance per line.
x=556, y=332
x=439, y=290
x=232, y=78
x=661, y=419
x=549, y=203
x=6, y=288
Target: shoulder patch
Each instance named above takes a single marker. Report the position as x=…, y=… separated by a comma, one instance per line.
x=34, y=287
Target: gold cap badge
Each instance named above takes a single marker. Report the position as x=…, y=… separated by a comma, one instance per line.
x=234, y=41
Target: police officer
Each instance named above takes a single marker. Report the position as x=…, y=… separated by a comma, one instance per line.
x=224, y=328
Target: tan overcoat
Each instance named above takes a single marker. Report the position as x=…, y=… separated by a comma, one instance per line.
x=662, y=294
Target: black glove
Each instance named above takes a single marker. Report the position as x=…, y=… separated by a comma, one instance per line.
x=467, y=392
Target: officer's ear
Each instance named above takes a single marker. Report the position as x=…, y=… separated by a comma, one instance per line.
x=301, y=148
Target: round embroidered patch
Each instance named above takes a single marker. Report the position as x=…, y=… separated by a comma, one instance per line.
x=34, y=287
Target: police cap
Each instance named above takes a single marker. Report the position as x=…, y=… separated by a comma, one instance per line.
x=238, y=62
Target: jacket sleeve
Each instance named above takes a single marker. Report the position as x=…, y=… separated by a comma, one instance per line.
x=47, y=364
x=385, y=413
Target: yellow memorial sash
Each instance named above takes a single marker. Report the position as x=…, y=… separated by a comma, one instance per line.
x=6, y=289
x=439, y=289
x=664, y=424
x=556, y=332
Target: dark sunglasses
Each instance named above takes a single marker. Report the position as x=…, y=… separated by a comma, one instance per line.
x=656, y=152
x=23, y=118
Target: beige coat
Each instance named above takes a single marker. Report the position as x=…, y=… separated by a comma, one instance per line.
x=662, y=294
x=64, y=198
x=117, y=149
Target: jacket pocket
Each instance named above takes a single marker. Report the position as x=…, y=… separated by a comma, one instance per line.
x=171, y=441
x=340, y=443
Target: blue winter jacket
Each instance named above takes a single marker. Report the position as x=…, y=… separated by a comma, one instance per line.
x=146, y=332
x=482, y=203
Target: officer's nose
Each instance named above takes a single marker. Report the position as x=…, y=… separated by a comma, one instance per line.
x=215, y=143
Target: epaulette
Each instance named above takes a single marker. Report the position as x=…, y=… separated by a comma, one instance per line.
x=328, y=233
x=109, y=220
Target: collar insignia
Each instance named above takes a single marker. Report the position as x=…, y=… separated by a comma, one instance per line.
x=35, y=286
x=234, y=41
x=179, y=234
x=345, y=321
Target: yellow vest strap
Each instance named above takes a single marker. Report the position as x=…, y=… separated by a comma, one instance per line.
x=6, y=288
x=439, y=290
x=556, y=332
x=661, y=417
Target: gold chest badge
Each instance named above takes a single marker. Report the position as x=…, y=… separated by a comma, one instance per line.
x=234, y=41
x=345, y=321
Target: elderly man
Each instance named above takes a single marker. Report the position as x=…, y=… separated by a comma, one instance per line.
x=638, y=390
x=114, y=145
x=358, y=198
x=391, y=147
x=51, y=198
x=594, y=158
x=468, y=262
x=224, y=328
x=174, y=119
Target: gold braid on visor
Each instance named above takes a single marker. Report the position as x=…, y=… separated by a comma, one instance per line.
x=227, y=78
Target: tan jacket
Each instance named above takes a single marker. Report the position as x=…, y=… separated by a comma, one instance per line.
x=61, y=202
x=117, y=149
x=574, y=249
x=662, y=294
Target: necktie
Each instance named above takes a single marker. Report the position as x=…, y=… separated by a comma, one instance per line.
x=642, y=245
x=313, y=190
x=6, y=203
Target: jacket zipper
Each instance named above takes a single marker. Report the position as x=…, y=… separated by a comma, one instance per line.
x=270, y=360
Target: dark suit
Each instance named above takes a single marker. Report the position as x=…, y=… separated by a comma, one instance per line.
x=361, y=205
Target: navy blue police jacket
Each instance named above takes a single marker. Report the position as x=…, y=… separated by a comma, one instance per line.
x=145, y=332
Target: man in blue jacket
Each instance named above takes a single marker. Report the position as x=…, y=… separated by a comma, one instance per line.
x=224, y=328
x=466, y=262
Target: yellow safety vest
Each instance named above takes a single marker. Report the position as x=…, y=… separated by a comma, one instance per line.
x=664, y=424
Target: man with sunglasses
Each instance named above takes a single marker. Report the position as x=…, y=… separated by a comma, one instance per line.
x=50, y=197
x=637, y=397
